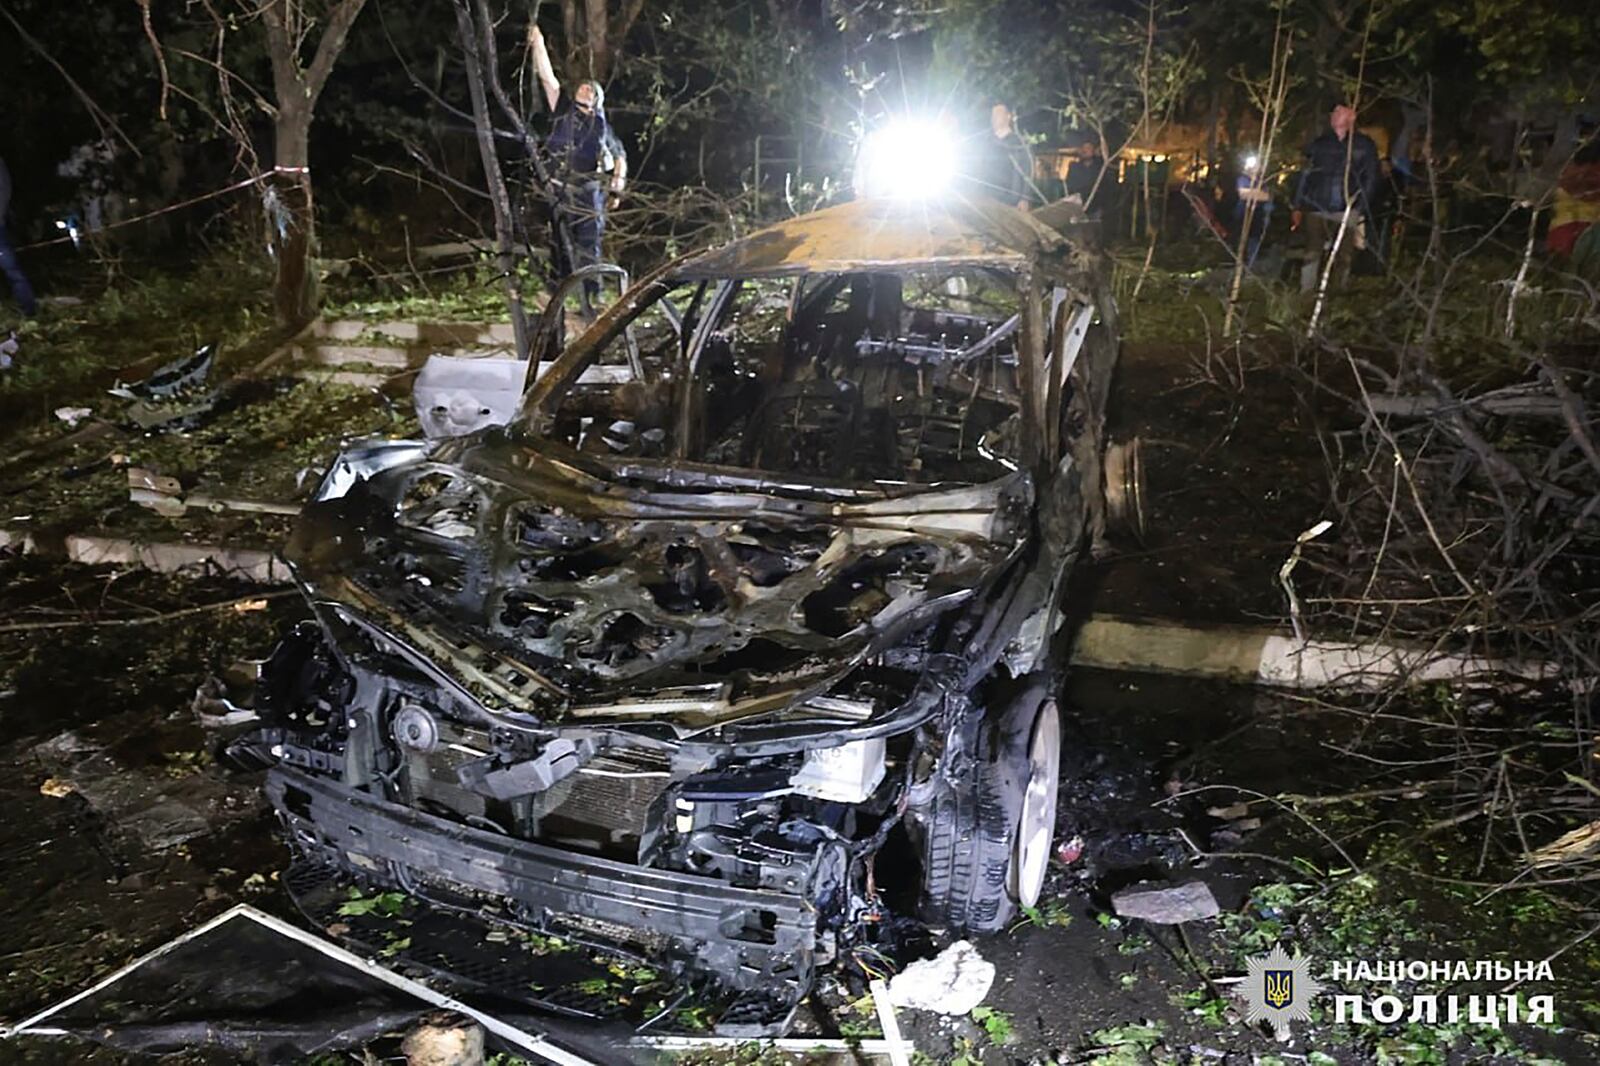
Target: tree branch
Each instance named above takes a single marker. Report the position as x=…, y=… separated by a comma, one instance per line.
x=624, y=22
x=101, y=117
x=332, y=43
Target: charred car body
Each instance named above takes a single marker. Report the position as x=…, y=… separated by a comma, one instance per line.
x=759, y=586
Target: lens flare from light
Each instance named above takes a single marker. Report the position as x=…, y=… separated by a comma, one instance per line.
x=1251, y=161
x=908, y=159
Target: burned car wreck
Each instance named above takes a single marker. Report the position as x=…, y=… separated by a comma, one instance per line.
x=757, y=590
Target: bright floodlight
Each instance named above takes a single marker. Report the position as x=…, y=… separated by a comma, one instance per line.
x=908, y=159
x=1252, y=161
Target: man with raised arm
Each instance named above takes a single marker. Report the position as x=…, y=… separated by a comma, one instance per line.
x=587, y=159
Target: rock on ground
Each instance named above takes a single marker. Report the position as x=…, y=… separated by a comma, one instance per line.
x=1166, y=904
x=952, y=982
x=444, y=1042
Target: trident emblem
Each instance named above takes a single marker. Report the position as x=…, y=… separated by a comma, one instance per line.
x=1279, y=988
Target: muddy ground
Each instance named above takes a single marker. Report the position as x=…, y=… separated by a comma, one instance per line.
x=120, y=832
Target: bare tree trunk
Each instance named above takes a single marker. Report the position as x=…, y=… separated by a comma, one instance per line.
x=1272, y=104
x=595, y=35
x=297, y=87
x=294, y=236
x=473, y=58
x=597, y=32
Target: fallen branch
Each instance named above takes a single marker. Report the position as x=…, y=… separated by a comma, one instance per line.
x=95, y=623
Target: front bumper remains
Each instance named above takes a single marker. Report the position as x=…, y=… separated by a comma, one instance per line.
x=753, y=940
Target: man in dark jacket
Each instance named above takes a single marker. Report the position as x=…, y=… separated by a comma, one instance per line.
x=1084, y=172
x=21, y=290
x=1005, y=163
x=586, y=156
x=1341, y=172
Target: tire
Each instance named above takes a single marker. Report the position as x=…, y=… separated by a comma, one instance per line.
x=973, y=874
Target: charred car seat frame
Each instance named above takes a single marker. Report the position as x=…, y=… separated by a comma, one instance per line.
x=761, y=583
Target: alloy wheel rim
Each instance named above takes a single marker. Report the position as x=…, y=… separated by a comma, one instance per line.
x=1036, y=823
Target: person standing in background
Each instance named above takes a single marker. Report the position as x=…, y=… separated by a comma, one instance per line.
x=1084, y=172
x=1251, y=187
x=587, y=158
x=1341, y=172
x=1006, y=161
x=21, y=289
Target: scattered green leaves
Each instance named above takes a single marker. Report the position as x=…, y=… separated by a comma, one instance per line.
x=1125, y=1045
x=996, y=1024
x=1209, y=1008
x=1053, y=915
x=383, y=905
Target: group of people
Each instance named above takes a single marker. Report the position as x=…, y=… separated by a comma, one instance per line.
x=1338, y=186
x=1344, y=184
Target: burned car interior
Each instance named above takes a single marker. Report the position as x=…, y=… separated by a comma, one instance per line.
x=861, y=376
x=761, y=583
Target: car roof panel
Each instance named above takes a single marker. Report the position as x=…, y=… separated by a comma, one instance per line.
x=879, y=234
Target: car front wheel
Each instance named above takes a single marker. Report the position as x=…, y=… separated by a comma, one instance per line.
x=986, y=848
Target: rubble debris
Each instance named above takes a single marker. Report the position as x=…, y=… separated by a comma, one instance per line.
x=952, y=982
x=165, y=495
x=227, y=700
x=1166, y=904
x=1581, y=843
x=8, y=351
x=444, y=1041
x=171, y=378
x=172, y=417
x=458, y=395
x=73, y=415
x=1233, y=833
x=157, y=810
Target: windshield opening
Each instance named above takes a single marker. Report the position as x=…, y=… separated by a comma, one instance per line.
x=905, y=376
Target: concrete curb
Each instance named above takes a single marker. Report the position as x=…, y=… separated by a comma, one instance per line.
x=247, y=564
x=1273, y=657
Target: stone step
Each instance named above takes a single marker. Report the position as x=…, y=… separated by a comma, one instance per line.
x=467, y=334
x=386, y=357
x=361, y=379
x=461, y=334
x=250, y=564
x=349, y=329
x=371, y=354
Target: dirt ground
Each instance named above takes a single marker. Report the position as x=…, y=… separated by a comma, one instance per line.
x=121, y=833
x=1149, y=763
